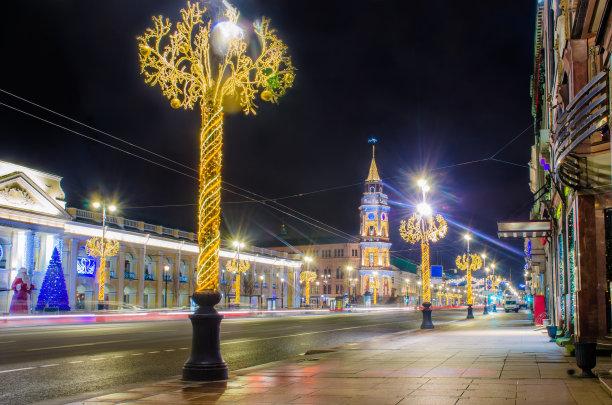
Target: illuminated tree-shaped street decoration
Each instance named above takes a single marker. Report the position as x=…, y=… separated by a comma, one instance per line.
x=424, y=229
x=307, y=277
x=375, y=282
x=198, y=65
x=469, y=262
x=237, y=267
x=102, y=248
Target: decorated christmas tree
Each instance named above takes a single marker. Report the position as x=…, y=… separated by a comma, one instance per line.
x=53, y=293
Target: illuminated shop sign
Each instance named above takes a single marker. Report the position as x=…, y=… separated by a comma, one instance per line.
x=86, y=266
x=1, y=252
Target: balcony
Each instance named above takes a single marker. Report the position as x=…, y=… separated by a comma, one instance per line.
x=112, y=274
x=183, y=279
x=167, y=277
x=580, y=139
x=130, y=276
x=150, y=277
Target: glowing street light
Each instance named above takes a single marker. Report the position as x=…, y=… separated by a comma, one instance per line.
x=307, y=277
x=237, y=267
x=198, y=65
x=102, y=248
x=469, y=263
x=422, y=227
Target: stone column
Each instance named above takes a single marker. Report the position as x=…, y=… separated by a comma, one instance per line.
x=140, y=275
x=590, y=286
x=120, y=275
x=160, y=279
x=176, y=286
x=72, y=271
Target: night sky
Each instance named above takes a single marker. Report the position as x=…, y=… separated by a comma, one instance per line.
x=438, y=83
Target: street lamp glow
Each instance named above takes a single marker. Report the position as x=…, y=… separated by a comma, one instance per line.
x=484, y=256
x=424, y=209
x=422, y=183
x=237, y=244
x=96, y=204
x=308, y=259
x=166, y=268
x=467, y=237
x=349, y=268
x=112, y=208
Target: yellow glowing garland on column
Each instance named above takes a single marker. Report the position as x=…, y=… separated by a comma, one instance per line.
x=469, y=264
x=425, y=230
x=237, y=267
x=188, y=74
x=96, y=248
x=308, y=277
x=375, y=287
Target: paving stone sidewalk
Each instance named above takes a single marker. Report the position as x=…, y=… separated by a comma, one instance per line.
x=495, y=360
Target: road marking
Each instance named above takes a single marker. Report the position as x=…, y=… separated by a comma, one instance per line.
x=77, y=361
x=169, y=350
x=304, y=333
x=183, y=348
x=116, y=357
x=80, y=345
x=157, y=351
x=137, y=354
x=49, y=365
x=98, y=359
x=9, y=341
x=16, y=369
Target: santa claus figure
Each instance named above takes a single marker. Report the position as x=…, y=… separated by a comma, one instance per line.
x=22, y=288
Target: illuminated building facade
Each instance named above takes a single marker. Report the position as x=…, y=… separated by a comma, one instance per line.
x=34, y=220
x=568, y=240
x=375, y=266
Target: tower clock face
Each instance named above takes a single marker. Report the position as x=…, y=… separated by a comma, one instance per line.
x=371, y=216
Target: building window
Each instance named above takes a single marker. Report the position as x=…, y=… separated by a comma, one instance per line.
x=337, y=288
x=371, y=230
x=371, y=258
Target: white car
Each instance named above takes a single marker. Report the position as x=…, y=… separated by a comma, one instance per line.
x=511, y=304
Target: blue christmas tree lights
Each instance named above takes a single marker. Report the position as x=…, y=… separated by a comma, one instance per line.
x=53, y=293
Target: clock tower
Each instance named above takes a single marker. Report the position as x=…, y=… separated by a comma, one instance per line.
x=375, y=269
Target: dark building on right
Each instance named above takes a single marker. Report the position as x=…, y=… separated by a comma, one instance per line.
x=568, y=241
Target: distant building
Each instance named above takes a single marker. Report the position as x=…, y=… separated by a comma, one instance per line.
x=34, y=220
x=350, y=268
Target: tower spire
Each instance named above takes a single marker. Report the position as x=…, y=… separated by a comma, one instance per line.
x=373, y=173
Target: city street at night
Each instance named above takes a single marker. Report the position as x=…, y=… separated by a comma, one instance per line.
x=306, y=202
x=104, y=357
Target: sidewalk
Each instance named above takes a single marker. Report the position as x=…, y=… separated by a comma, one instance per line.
x=493, y=360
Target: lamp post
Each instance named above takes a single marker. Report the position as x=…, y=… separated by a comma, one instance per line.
x=102, y=248
x=307, y=277
x=261, y=282
x=486, y=305
x=197, y=65
x=166, y=268
x=282, y=292
x=375, y=287
x=349, y=278
x=422, y=227
x=469, y=263
x=238, y=267
x=486, y=310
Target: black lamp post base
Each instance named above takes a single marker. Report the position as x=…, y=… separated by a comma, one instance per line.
x=486, y=309
x=427, y=323
x=205, y=362
x=470, y=314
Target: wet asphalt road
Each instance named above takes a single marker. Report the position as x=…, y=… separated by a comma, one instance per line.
x=64, y=363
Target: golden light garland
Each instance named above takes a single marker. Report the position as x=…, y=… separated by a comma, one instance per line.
x=308, y=277
x=469, y=264
x=424, y=230
x=238, y=267
x=375, y=286
x=102, y=248
x=184, y=66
